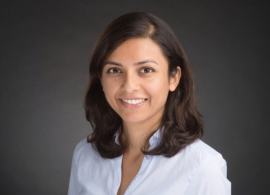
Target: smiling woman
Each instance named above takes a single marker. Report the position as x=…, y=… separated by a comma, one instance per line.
x=140, y=103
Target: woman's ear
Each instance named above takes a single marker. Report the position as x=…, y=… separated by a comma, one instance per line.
x=174, y=80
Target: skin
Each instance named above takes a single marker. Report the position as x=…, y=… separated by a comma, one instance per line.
x=137, y=69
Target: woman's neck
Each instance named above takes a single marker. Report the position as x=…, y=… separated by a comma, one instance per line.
x=134, y=136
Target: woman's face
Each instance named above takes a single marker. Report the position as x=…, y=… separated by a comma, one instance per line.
x=135, y=81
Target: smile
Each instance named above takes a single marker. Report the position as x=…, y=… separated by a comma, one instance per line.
x=133, y=101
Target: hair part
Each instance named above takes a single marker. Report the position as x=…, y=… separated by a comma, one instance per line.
x=181, y=120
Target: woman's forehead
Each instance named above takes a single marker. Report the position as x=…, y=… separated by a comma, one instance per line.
x=137, y=50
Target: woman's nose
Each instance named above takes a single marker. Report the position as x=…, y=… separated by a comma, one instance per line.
x=130, y=82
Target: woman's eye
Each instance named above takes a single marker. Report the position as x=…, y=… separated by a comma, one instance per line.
x=147, y=70
x=113, y=70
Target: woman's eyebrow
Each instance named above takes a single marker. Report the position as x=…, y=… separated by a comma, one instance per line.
x=146, y=61
x=138, y=63
x=112, y=63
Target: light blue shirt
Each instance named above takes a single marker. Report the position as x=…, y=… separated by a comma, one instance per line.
x=196, y=170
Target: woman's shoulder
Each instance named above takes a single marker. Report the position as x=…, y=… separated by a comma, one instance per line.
x=204, y=149
x=209, y=168
x=200, y=149
x=83, y=144
x=201, y=154
x=84, y=148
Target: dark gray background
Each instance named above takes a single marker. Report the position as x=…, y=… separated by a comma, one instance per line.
x=45, y=50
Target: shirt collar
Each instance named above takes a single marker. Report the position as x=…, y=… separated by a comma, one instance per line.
x=154, y=140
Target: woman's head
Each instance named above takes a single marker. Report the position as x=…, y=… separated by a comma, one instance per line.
x=135, y=35
x=136, y=83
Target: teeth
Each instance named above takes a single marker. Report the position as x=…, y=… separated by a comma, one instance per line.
x=134, y=101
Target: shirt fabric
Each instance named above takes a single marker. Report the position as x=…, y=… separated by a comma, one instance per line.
x=197, y=170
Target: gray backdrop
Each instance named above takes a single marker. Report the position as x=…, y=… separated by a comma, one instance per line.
x=45, y=50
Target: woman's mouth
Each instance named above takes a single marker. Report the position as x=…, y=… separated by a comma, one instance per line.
x=133, y=103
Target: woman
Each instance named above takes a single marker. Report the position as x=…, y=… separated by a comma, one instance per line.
x=146, y=127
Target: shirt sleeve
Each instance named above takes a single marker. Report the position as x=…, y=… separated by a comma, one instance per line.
x=73, y=188
x=210, y=178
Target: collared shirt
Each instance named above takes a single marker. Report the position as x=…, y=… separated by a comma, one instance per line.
x=197, y=170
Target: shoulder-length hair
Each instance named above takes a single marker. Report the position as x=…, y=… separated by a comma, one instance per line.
x=181, y=121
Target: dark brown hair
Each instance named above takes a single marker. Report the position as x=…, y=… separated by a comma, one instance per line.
x=181, y=120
